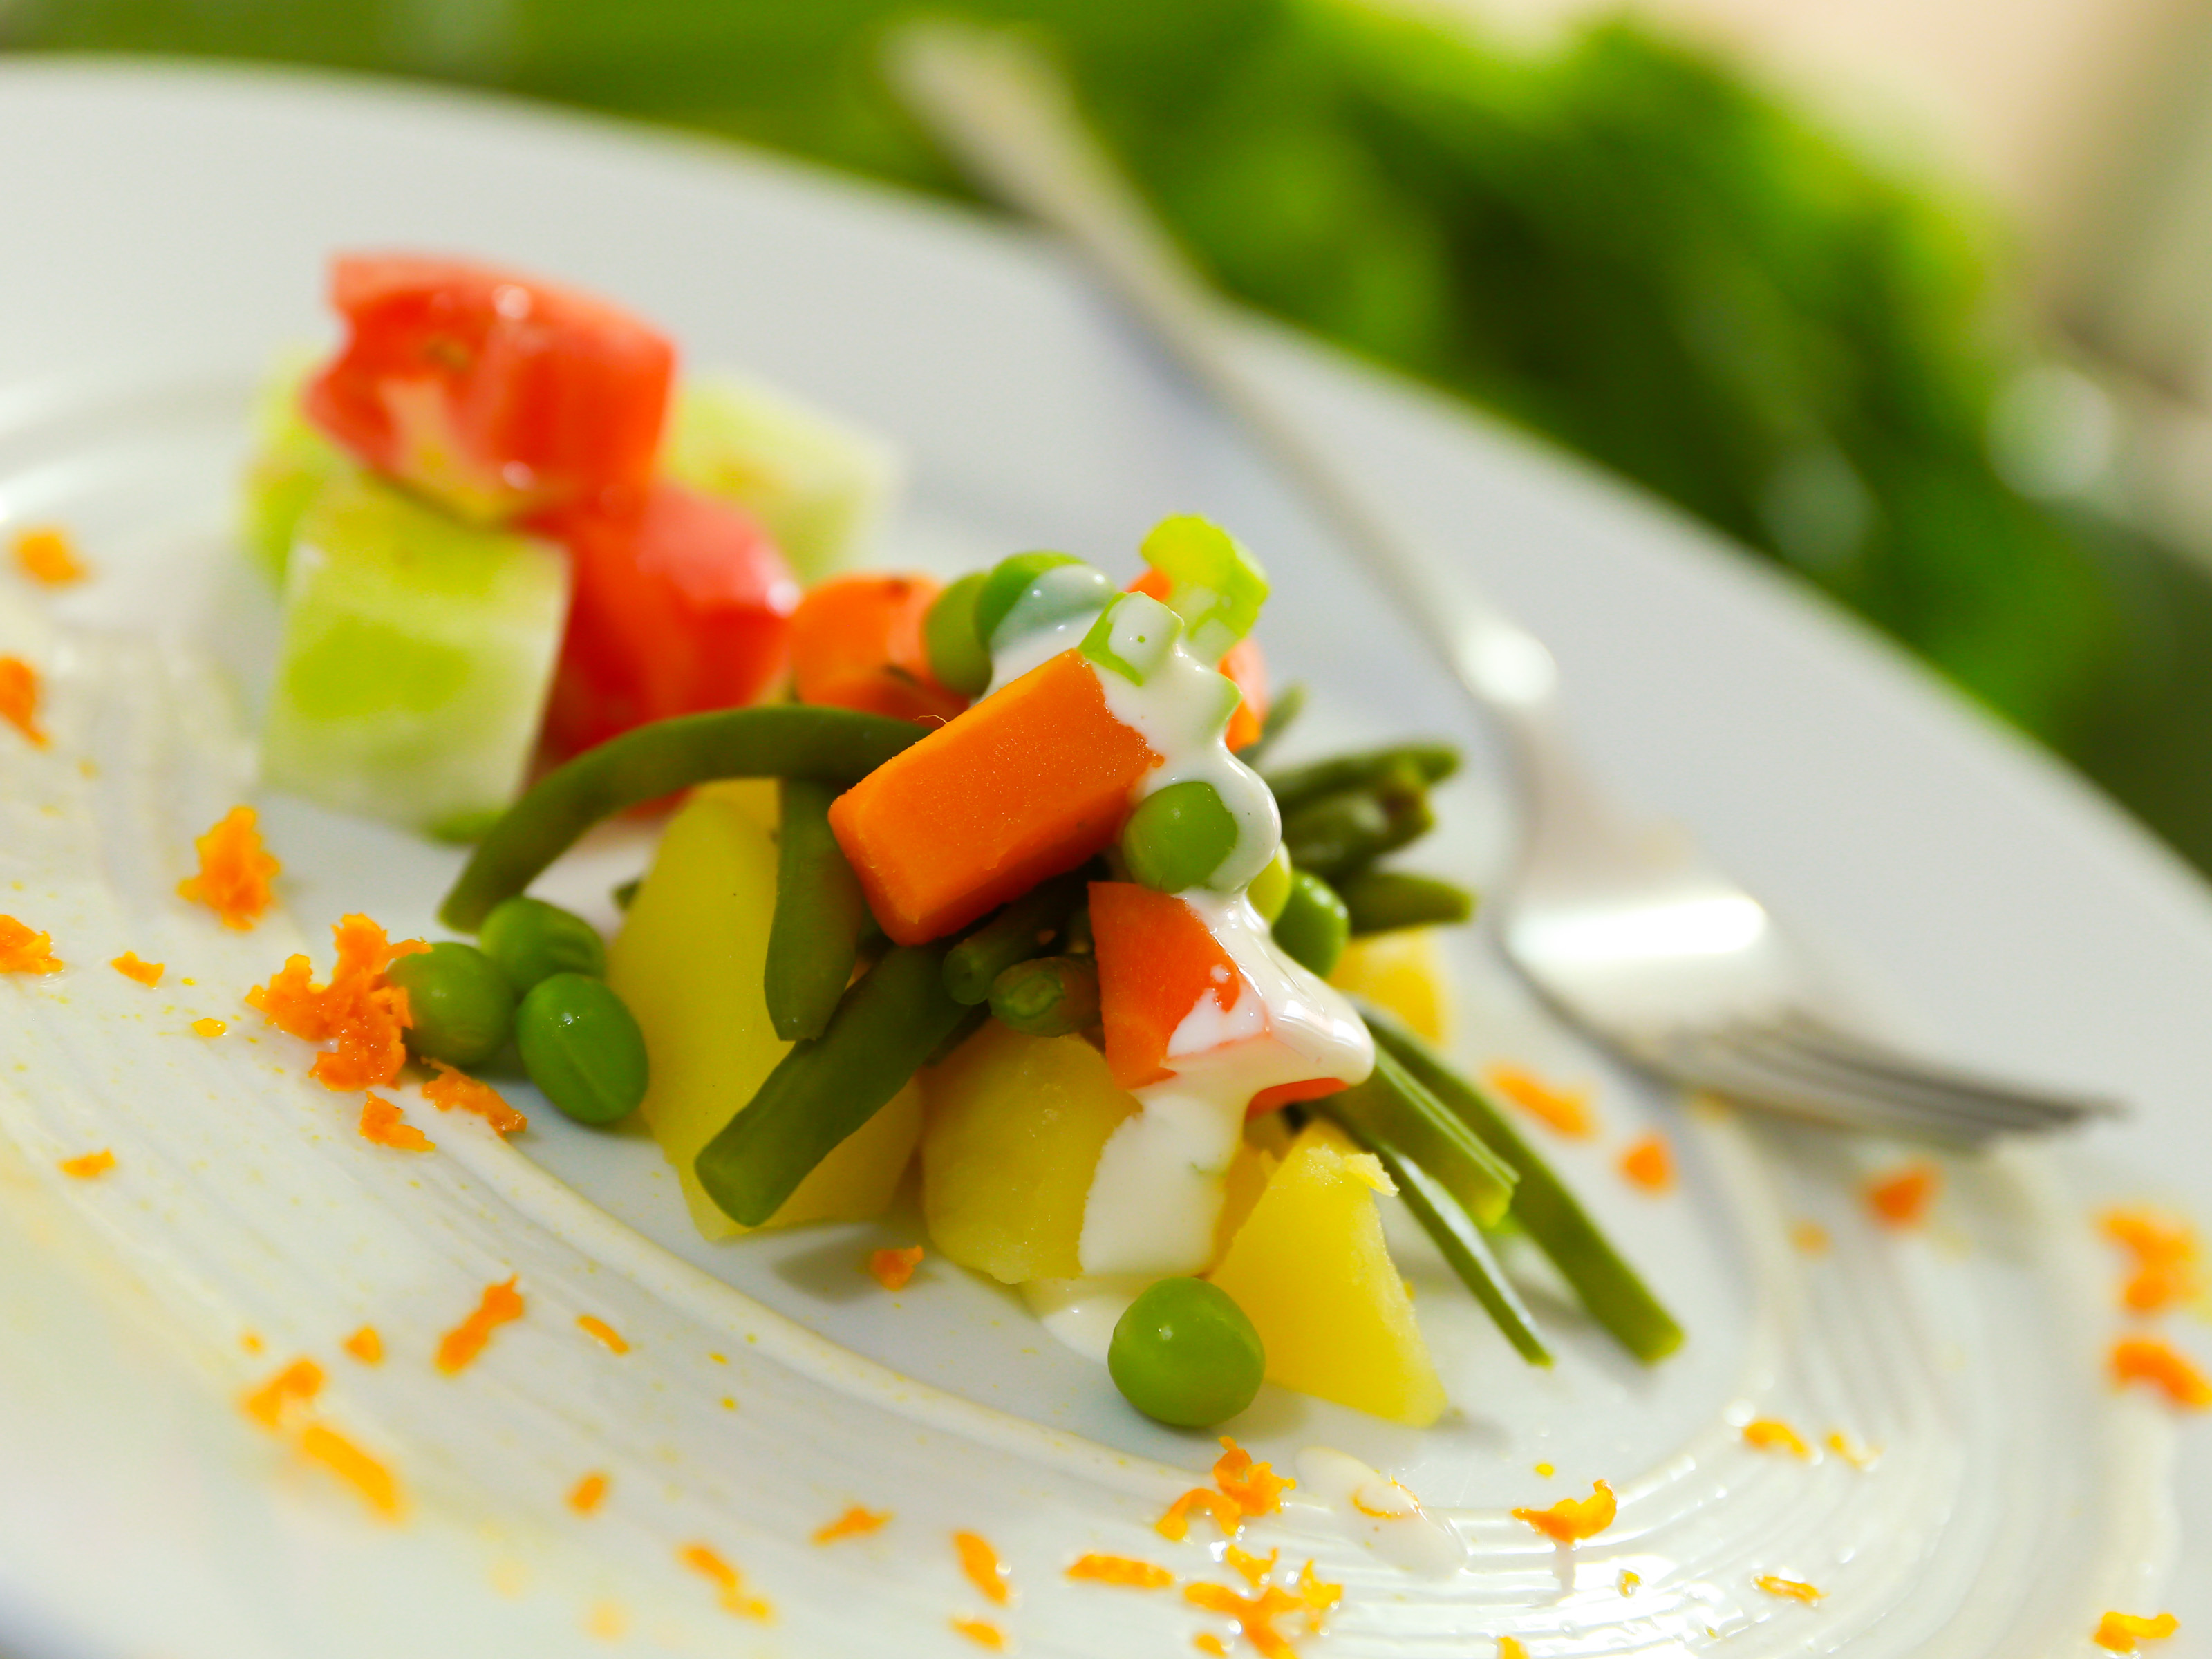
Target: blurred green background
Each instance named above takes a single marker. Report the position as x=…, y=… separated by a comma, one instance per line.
x=1623, y=241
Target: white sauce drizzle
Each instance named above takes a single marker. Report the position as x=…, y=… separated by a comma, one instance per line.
x=1082, y=1313
x=1376, y=1512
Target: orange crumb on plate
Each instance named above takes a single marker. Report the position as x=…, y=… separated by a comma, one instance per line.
x=2147, y=1360
x=1650, y=1164
x=1810, y=1237
x=1573, y=1519
x=1317, y=1594
x=1787, y=1589
x=45, y=554
x=1123, y=1571
x=24, y=952
x=701, y=1559
x=146, y=972
x=298, y=1383
x=855, y=1523
x=592, y=1326
x=235, y=871
x=1546, y=1470
x=1903, y=1197
x=1772, y=1434
x=384, y=1124
x=356, y=1011
x=1255, y=1615
x=1859, y=1457
x=500, y=1305
x=588, y=1493
x=1629, y=1582
x=984, y=1569
x=451, y=1090
x=894, y=1268
x=378, y=1486
x=249, y=1340
x=1207, y=1643
x=1252, y=1569
x=2168, y=1258
x=1254, y=1488
x=982, y=1632
x=1567, y=1112
x=1510, y=1647
x=2118, y=1632
x=365, y=1346
x=606, y=1620
x=210, y=1027
x=1176, y=1522
x=88, y=1165
x=19, y=700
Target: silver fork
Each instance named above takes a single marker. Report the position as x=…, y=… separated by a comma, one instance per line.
x=1626, y=929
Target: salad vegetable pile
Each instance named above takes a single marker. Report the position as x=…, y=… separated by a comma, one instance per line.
x=980, y=873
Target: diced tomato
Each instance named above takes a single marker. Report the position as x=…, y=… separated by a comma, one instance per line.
x=856, y=642
x=1246, y=669
x=492, y=393
x=682, y=606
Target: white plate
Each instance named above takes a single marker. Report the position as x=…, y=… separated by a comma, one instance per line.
x=169, y=229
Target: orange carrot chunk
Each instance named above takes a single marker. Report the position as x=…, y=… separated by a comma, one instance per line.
x=1156, y=962
x=25, y=952
x=19, y=699
x=235, y=871
x=856, y=642
x=1030, y=781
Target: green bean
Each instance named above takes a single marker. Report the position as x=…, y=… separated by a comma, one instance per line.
x=1460, y=1243
x=820, y=914
x=1023, y=929
x=1332, y=835
x=1392, y=1105
x=957, y=656
x=624, y=893
x=530, y=938
x=1048, y=996
x=581, y=1046
x=1177, y=836
x=886, y=1025
x=1608, y=1287
x=1381, y=900
x=1283, y=709
x=1076, y=940
x=971, y=1023
x=776, y=740
x=460, y=1001
x=1295, y=786
x=1312, y=927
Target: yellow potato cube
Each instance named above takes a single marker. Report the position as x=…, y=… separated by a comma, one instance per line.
x=1310, y=1271
x=1404, y=971
x=689, y=962
x=1014, y=1128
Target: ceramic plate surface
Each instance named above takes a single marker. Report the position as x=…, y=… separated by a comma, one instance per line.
x=169, y=229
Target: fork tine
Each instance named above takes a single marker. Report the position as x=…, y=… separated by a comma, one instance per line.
x=1850, y=1051
x=1710, y=1061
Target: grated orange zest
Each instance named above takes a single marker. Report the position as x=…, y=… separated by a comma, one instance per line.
x=2147, y=1360
x=378, y=1486
x=458, y=1348
x=1771, y=1434
x=1903, y=1196
x=1254, y=1488
x=1573, y=1519
x=1509, y=1647
x=45, y=554
x=146, y=972
x=1176, y=1522
x=1650, y=1164
x=984, y=1569
x=2118, y=1632
x=597, y=1328
x=1787, y=1589
x=1255, y=1615
x=2168, y=1261
x=298, y=1383
x=384, y=1124
x=24, y=952
x=1207, y=1643
x=1811, y=1237
x=982, y=1632
x=19, y=700
x=1567, y=1112
x=701, y=1559
x=856, y=1522
x=86, y=1165
x=1253, y=1569
x=235, y=871
x=1318, y=1593
x=1629, y=1582
x=607, y=1620
x=250, y=1341
x=1122, y=1570
x=893, y=1269
x=210, y=1027
x=356, y=1011
x=451, y=1090
x=1859, y=1457
x=365, y=1346
x=588, y=1493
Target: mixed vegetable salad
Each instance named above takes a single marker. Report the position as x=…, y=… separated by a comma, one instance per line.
x=979, y=873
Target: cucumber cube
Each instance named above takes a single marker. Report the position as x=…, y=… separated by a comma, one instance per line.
x=820, y=487
x=291, y=462
x=416, y=659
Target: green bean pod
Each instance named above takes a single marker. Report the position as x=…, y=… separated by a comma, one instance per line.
x=1606, y=1286
x=1048, y=996
x=887, y=1024
x=820, y=915
x=1332, y=835
x=1381, y=900
x=1460, y=1243
x=1311, y=926
x=1283, y=710
x=1296, y=786
x=839, y=746
x=1393, y=1106
x=1024, y=928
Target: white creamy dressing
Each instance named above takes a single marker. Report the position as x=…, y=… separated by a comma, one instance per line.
x=1082, y=1313
x=1157, y=1192
x=1376, y=1512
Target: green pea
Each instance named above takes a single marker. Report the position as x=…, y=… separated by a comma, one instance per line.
x=956, y=653
x=1314, y=927
x=1006, y=582
x=582, y=1048
x=1185, y=1353
x=1270, y=891
x=532, y=939
x=1178, y=836
x=460, y=1002
x=1037, y=590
